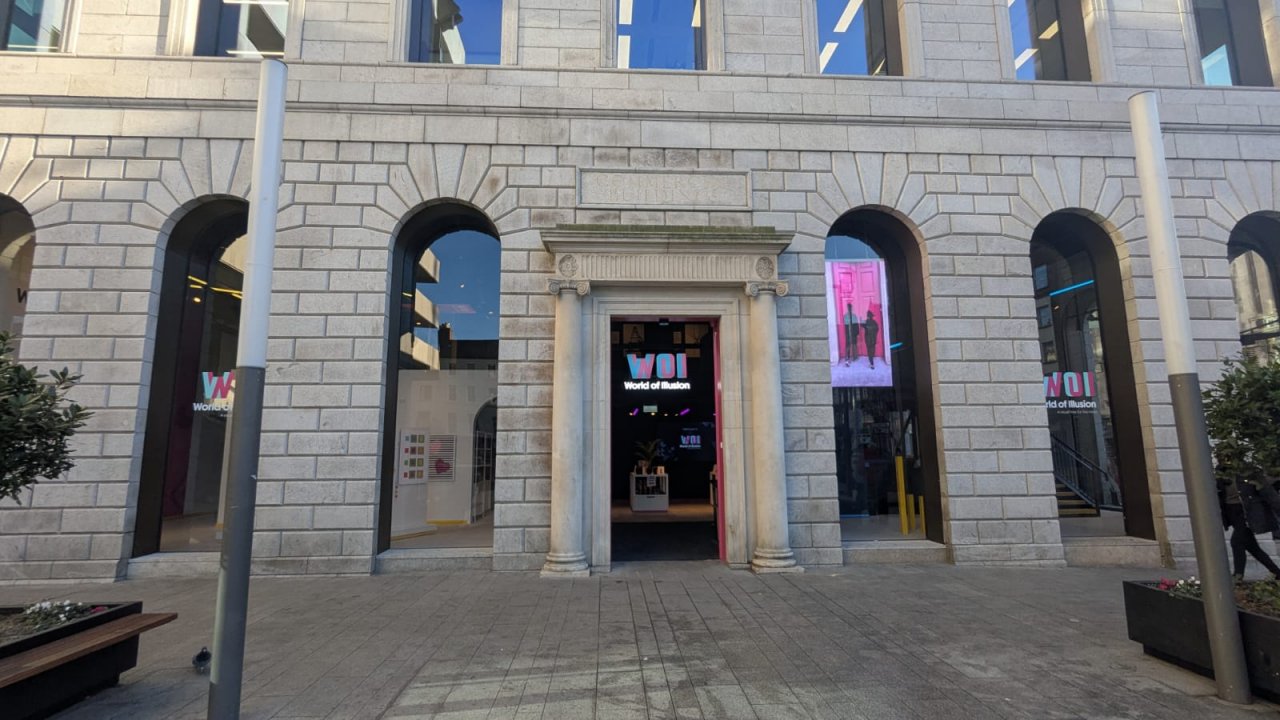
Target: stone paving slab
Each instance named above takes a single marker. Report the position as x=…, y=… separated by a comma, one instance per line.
x=673, y=640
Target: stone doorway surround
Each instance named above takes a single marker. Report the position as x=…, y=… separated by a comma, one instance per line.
x=726, y=273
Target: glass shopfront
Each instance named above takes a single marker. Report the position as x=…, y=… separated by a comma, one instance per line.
x=885, y=474
x=664, y=485
x=1090, y=392
x=181, y=499
x=1254, y=250
x=17, y=248
x=447, y=389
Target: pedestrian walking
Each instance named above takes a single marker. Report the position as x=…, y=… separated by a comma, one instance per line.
x=1245, y=514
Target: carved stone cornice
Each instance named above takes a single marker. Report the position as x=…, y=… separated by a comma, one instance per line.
x=555, y=286
x=777, y=287
x=631, y=255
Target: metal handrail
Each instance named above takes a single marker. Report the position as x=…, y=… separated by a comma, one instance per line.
x=1084, y=477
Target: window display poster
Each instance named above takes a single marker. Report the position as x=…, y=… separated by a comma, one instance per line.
x=858, y=324
x=413, y=457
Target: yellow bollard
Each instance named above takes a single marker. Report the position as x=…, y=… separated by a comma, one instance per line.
x=911, y=512
x=922, y=530
x=904, y=510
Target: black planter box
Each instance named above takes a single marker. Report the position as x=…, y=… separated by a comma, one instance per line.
x=1173, y=629
x=69, y=683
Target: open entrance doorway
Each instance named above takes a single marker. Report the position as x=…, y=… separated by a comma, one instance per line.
x=666, y=498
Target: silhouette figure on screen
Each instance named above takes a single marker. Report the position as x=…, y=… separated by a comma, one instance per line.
x=850, y=335
x=871, y=332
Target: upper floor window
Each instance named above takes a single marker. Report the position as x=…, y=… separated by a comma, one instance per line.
x=1049, y=40
x=457, y=32
x=32, y=25
x=666, y=34
x=241, y=28
x=1232, y=49
x=858, y=38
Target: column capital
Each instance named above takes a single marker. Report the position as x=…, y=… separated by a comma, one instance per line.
x=555, y=286
x=777, y=287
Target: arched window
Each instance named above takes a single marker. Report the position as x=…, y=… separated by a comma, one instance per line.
x=17, y=247
x=858, y=38
x=181, y=500
x=439, y=452
x=1049, y=40
x=1254, y=249
x=886, y=461
x=1099, y=465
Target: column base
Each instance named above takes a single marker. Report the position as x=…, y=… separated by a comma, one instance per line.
x=566, y=566
x=775, y=561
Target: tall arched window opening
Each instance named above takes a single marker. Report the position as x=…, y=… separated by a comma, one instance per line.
x=886, y=447
x=1254, y=249
x=439, y=451
x=181, y=500
x=1099, y=466
x=17, y=248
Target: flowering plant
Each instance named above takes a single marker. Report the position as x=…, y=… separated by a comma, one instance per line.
x=1188, y=588
x=44, y=615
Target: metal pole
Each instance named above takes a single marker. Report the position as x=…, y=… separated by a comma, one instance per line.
x=1229, y=668
x=240, y=472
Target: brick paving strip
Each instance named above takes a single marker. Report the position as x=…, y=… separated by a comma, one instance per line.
x=677, y=640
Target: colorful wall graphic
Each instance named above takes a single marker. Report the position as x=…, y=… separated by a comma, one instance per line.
x=858, y=324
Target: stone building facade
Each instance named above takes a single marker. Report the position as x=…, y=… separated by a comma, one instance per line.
x=637, y=193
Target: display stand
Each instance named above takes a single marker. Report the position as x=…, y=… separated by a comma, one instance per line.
x=649, y=492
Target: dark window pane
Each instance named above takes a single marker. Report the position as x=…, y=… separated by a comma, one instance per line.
x=245, y=28
x=665, y=34
x=852, y=38
x=1217, y=52
x=192, y=503
x=32, y=25
x=1038, y=38
x=1232, y=48
x=457, y=32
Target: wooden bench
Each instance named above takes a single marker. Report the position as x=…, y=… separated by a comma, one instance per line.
x=38, y=682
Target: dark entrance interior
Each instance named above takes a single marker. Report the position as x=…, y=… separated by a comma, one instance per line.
x=663, y=475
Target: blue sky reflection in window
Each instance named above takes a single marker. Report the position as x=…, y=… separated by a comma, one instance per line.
x=851, y=37
x=1038, y=52
x=32, y=25
x=456, y=32
x=661, y=34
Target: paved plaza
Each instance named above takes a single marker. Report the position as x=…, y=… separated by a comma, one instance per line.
x=677, y=640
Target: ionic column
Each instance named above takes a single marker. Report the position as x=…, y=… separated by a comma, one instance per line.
x=773, y=546
x=566, y=556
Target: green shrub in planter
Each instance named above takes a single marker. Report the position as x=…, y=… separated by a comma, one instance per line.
x=36, y=422
x=1243, y=414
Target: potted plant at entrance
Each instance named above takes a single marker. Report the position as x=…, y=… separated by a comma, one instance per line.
x=646, y=453
x=1242, y=412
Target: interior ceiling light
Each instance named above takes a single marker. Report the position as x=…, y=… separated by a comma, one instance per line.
x=624, y=12
x=846, y=18
x=1024, y=57
x=1050, y=31
x=697, y=13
